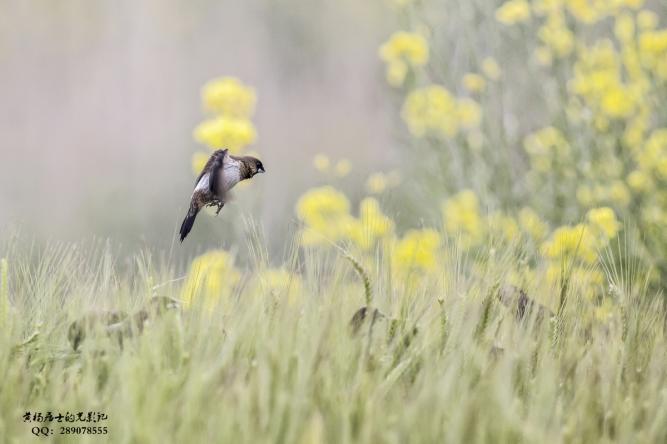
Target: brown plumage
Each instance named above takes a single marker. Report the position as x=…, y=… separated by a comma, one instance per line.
x=220, y=174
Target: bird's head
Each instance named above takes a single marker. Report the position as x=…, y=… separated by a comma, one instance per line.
x=254, y=165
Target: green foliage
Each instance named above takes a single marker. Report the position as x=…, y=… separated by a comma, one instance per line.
x=447, y=362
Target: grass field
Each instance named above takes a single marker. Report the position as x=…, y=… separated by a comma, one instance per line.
x=449, y=359
x=476, y=249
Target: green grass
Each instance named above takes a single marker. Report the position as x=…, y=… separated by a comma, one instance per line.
x=447, y=363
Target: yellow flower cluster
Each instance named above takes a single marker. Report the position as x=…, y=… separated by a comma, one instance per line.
x=602, y=151
x=232, y=104
x=378, y=183
x=462, y=218
x=403, y=51
x=573, y=250
x=325, y=213
x=211, y=279
x=491, y=69
x=324, y=165
x=371, y=226
x=592, y=11
x=227, y=96
x=464, y=221
x=226, y=132
x=603, y=221
x=416, y=250
x=558, y=39
x=569, y=251
x=598, y=80
x=474, y=83
x=532, y=225
x=513, y=11
x=614, y=79
x=547, y=148
x=433, y=110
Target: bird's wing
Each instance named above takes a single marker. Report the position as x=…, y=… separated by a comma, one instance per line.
x=211, y=171
x=216, y=179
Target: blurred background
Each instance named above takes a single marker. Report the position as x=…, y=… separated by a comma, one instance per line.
x=528, y=121
x=100, y=99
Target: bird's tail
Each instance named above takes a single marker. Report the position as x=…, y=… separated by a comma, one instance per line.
x=189, y=220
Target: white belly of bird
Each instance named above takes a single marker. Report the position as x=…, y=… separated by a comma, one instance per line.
x=231, y=175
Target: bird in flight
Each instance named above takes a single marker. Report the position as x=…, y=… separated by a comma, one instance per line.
x=220, y=174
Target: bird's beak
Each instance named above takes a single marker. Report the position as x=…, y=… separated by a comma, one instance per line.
x=261, y=170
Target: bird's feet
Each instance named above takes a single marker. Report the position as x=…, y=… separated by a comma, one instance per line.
x=220, y=205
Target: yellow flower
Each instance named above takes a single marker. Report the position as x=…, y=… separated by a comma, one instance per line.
x=585, y=280
x=321, y=163
x=396, y=72
x=604, y=220
x=639, y=181
x=343, y=168
x=531, y=223
x=230, y=97
x=491, y=69
x=625, y=28
x=431, y=109
x=409, y=47
x=469, y=113
x=571, y=242
x=544, y=56
x=634, y=4
x=417, y=249
x=618, y=102
x=503, y=226
x=325, y=212
x=653, y=51
x=212, y=276
x=376, y=183
x=587, y=11
x=545, y=147
x=371, y=226
x=403, y=50
x=619, y=193
x=647, y=20
x=557, y=36
x=462, y=218
x=654, y=42
x=223, y=132
x=634, y=133
x=319, y=205
x=545, y=7
x=654, y=150
x=513, y=11
x=474, y=83
x=585, y=195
